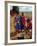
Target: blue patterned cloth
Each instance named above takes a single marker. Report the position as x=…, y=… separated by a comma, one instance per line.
x=18, y=26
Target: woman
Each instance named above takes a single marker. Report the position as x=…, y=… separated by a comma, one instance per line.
x=14, y=12
x=23, y=21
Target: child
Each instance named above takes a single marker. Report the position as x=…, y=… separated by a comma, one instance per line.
x=17, y=23
x=29, y=25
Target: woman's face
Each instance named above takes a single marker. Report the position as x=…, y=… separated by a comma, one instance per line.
x=14, y=13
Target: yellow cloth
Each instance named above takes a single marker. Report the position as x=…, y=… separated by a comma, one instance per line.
x=12, y=29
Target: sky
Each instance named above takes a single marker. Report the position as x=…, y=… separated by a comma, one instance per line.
x=24, y=8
